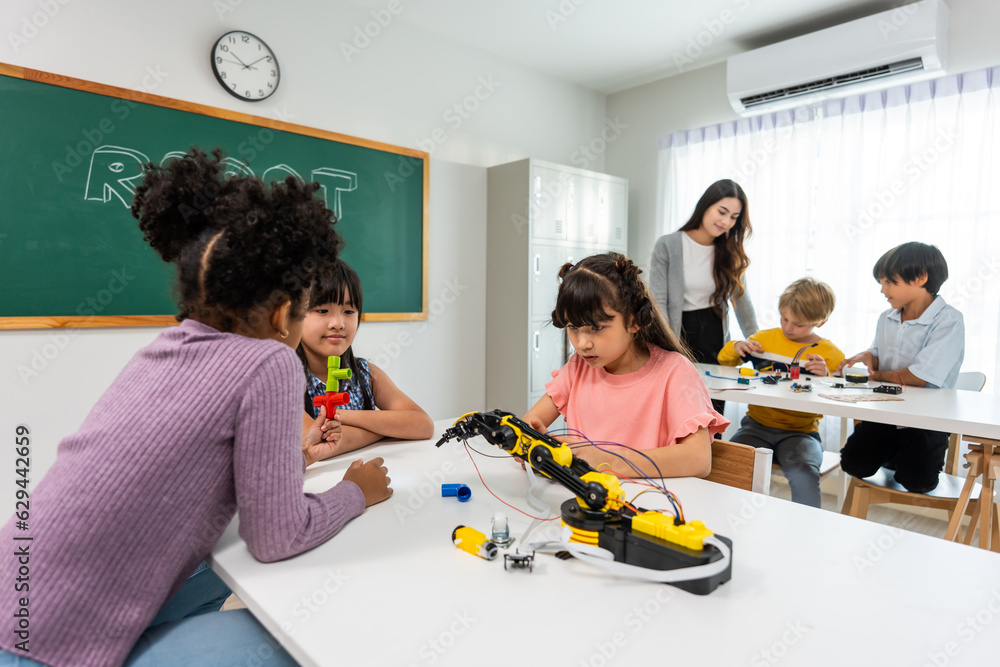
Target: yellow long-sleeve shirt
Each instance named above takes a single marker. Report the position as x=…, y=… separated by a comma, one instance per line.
x=775, y=342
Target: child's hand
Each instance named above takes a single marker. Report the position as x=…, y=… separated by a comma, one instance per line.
x=539, y=426
x=746, y=347
x=315, y=446
x=861, y=358
x=815, y=364
x=332, y=432
x=536, y=423
x=595, y=457
x=372, y=478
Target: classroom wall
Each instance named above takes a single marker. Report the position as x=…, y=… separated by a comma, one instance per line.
x=400, y=87
x=698, y=98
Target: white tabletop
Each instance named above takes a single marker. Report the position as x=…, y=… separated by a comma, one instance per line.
x=953, y=411
x=808, y=587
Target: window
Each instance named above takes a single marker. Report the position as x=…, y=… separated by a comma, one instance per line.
x=832, y=187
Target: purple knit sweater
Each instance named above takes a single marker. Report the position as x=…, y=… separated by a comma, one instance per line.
x=198, y=425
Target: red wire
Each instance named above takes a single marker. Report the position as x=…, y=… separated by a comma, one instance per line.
x=516, y=509
x=900, y=382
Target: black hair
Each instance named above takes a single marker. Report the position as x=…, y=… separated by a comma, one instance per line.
x=240, y=245
x=731, y=260
x=909, y=261
x=610, y=281
x=334, y=280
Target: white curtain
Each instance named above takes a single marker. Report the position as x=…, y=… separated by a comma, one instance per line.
x=832, y=187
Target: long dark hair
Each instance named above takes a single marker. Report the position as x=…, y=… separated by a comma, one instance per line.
x=333, y=281
x=731, y=259
x=611, y=281
x=239, y=244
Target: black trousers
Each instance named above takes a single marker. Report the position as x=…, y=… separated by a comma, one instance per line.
x=916, y=455
x=702, y=331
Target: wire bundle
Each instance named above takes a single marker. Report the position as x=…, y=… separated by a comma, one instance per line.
x=643, y=478
x=657, y=485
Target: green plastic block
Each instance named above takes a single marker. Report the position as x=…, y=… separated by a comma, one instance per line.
x=334, y=373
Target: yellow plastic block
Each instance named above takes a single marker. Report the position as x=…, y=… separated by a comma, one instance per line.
x=748, y=371
x=471, y=540
x=691, y=534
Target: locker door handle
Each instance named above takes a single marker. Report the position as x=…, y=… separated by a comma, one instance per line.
x=538, y=265
x=535, y=341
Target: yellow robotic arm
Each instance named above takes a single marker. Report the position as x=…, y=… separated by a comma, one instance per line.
x=599, y=491
x=599, y=515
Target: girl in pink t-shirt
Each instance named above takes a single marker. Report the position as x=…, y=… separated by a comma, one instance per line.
x=631, y=380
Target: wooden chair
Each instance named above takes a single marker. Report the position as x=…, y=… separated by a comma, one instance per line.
x=741, y=466
x=881, y=488
x=984, y=460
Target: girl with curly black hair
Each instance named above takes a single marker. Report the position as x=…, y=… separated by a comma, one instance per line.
x=203, y=422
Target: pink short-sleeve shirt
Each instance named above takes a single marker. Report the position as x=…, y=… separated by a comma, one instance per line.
x=655, y=406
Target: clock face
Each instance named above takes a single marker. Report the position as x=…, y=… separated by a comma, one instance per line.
x=245, y=66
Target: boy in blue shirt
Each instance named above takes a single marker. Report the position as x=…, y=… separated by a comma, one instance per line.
x=919, y=342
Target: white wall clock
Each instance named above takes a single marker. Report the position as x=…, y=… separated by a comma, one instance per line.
x=245, y=66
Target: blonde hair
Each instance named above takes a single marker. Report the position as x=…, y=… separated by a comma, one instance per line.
x=809, y=300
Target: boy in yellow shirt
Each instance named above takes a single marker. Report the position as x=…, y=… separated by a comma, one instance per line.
x=794, y=436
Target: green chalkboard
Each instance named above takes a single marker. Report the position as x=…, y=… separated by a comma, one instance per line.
x=71, y=152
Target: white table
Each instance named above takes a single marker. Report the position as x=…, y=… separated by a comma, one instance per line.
x=948, y=410
x=808, y=588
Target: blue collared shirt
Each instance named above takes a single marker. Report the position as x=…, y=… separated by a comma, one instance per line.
x=932, y=346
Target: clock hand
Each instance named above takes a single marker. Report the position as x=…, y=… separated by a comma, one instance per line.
x=238, y=58
x=256, y=61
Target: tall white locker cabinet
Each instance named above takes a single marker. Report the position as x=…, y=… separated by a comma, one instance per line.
x=539, y=216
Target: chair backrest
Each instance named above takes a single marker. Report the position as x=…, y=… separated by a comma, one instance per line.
x=741, y=466
x=971, y=381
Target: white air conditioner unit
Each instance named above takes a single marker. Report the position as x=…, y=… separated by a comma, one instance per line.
x=899, y=46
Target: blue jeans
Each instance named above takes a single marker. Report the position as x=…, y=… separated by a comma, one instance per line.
x=799, y=455
x=183, y=633
x=201, y=593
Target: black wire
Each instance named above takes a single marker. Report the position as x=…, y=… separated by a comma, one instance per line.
x=489, y=456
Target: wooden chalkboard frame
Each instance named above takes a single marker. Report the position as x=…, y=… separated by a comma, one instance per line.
x=36, y=322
